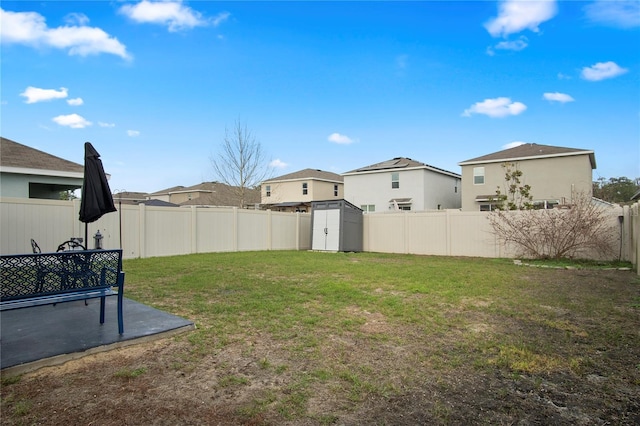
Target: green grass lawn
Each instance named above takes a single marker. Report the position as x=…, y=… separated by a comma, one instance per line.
x=309, y=338
x=368, y=325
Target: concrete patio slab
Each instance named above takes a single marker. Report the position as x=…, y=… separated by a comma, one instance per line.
x=40, y=336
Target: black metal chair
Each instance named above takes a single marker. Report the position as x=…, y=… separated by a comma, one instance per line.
x=35, y=247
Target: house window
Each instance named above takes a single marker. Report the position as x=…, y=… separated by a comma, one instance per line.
x=488, y=207
x=368, y=208
x=335, y=190
x=268, y=189
x=304, y=189
x=545, y=204
x=478, y=175
x=395, y=180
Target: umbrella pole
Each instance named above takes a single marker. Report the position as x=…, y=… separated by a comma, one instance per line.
x=86, y=235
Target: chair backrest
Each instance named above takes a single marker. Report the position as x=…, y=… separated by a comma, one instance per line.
x=35, y=247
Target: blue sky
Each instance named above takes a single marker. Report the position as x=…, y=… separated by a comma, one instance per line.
x=326, y=85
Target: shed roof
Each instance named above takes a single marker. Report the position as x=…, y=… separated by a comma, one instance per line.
x=529, y=151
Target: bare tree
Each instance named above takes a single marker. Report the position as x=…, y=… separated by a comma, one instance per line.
x=571, y=232
x=241, y=162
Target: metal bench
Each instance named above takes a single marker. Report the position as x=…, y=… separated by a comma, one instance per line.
x=36, y=279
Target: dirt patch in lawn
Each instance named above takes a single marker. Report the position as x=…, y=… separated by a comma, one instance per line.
x=488, y=365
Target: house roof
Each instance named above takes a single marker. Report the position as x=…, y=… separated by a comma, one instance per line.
x=158, y=203
x=530, y=151
x=212, y=194
x=18, y=158
x=168, y=190
x=399, y=163
x=308, y=174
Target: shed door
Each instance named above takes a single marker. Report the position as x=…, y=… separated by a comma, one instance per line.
x=326, y=230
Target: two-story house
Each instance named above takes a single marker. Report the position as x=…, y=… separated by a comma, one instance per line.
x=402, y=184
x=26, y=172
x=212, y=194
x=555, y=175
x=295, y=191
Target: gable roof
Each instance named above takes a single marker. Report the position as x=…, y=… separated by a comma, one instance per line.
x=530, y=151
x=399, y=163
x=18, y=158
x=212, y=194
x=308, y=174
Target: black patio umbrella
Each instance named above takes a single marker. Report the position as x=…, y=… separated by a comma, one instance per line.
x=96, y=195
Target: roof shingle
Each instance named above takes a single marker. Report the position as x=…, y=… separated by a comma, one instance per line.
x=529, y=151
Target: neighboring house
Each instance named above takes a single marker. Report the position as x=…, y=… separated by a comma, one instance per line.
x=126, y=197
x=402, y=184
x=29, y=173
x=555, y=175
x=296, y=191
x=208, y=194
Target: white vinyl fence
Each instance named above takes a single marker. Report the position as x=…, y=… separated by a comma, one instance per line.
x=145, y=231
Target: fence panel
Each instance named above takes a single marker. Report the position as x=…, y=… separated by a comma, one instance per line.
x=144, y=231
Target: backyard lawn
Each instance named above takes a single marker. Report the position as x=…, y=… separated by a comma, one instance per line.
x=307, y=338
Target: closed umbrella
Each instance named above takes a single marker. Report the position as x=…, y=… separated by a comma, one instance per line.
x=96, y=195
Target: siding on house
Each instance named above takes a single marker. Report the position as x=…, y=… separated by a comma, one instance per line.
x=418, y=187
x=555, y=174
x=287, y=192
x=26, y=172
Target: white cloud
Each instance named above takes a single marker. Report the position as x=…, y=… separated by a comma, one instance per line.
x=103, y=124
x=513, y=144
x=516, y=45
x=133, y=133
x=557, y=97
x=277, y=164
x=339, y=139
x=35, y=94
x=220, y=18
x=615, y=13
x=30, y=28
x=602, y=71
x=75, y=101
x=174, y=14
x=76, y=19
x=515, y=16
x=74, y=121
x=496, y=108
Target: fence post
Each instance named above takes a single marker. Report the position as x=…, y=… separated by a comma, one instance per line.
x=297, y=231
x=235, y=229
x=194, y=230
x=269, y=230
x=142, y=233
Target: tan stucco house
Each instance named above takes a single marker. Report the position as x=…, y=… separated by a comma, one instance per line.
x=555, y=174
x=296, y=191
x=207, y=194
x=26, y=172
x=402, y=184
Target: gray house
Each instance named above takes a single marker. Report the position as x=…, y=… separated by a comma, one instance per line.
x=402, y=184
x=29, y=173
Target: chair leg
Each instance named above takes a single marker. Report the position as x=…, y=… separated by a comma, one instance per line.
x=102, y=300
x=120, y=320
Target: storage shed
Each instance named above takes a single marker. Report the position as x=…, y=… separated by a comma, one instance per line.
x=336, y=225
